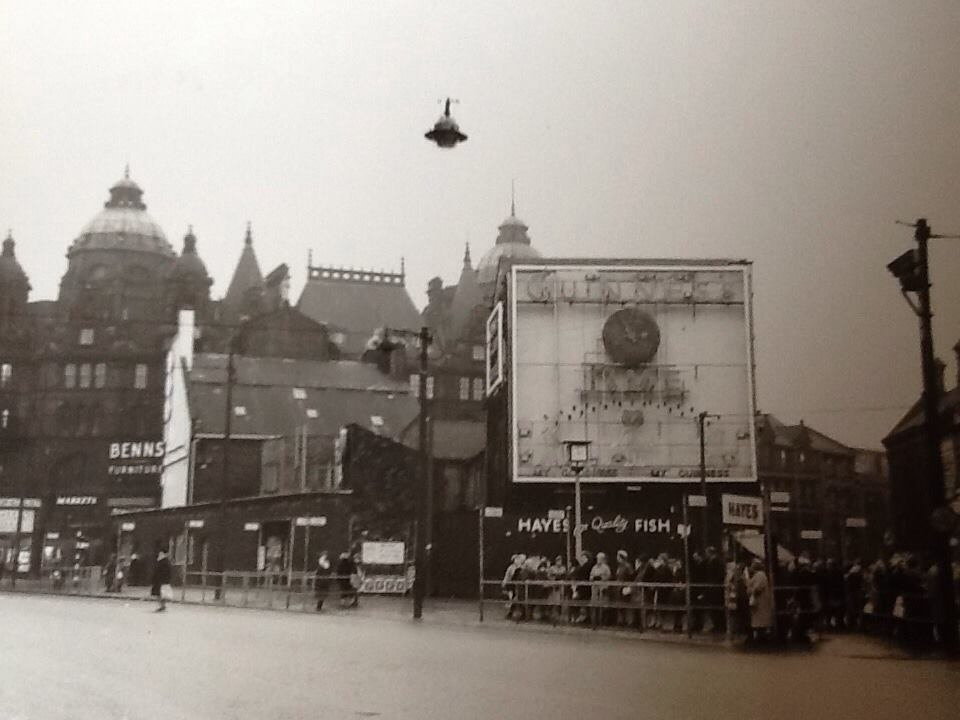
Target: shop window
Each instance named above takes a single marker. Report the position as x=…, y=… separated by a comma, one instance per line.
x=100, y=375
x=140, y=376
x=69, y=376
x=85, y=375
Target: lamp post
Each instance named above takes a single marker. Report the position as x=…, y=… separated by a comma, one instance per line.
x=424, y=514
x=578, y=454
x=913, y=272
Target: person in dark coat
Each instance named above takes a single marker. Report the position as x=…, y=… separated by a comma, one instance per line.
x=321, y=583
x=161, y=580
x=346, y=570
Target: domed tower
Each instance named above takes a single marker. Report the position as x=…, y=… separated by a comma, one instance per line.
x=119, y=262
x=512, y=242
x=188, y=285
x=14, y=285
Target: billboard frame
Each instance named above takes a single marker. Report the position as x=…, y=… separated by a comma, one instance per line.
x=744, y=267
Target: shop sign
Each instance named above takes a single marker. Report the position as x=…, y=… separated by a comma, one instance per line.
x=53, y=536
x=142, y=503
x=251, y=526
x=136, y=457
x=556, y=514
x=600, y=524
x=77, y=500
x=811, y=534
x=127, y=526
x=493, y=512
x=742, y=510
x=382, y=553
x=782, y=498
x=315, y=521
x=195, y=524
x=697, y=501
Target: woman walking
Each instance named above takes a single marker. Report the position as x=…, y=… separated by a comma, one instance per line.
x=161, y=588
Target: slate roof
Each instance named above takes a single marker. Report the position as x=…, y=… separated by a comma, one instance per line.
x=340, y=392
x=452, y=439
x=914, y=417
x=357, y=308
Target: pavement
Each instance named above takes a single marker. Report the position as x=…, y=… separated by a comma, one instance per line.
x=77, y=658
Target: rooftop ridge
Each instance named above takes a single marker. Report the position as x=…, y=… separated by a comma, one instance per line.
x=356, y=275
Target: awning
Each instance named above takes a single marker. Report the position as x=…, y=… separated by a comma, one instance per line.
x=753, y=544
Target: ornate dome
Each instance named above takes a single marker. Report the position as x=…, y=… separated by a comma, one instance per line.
x=123, y=224
x=512, y=242
x=189, y=265
x=11, y=274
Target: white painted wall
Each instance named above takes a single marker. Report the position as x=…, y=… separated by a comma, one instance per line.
x=175, y=480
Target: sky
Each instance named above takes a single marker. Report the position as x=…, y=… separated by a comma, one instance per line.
x=789, y=134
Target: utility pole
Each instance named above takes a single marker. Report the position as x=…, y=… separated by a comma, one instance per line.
x=424, y=519
x=913, y=271
x=225, y=466
x=701, y=424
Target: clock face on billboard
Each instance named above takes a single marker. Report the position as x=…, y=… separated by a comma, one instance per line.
x=631, y=337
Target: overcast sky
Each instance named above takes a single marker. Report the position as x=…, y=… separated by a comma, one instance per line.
x=791, y=134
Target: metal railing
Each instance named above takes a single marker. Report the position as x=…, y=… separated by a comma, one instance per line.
x=67, y=580
x=642, y=606
x=264, y=589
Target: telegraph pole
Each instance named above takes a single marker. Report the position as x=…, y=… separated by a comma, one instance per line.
x=424, y=519
x=225, y=466
x=913, y=271
x=701, y=424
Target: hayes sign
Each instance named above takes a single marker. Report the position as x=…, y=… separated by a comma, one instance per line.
x=742, y=510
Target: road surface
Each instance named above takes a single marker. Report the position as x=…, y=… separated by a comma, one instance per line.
x=73, y=658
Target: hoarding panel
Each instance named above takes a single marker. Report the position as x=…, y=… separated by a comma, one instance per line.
x=626, y=357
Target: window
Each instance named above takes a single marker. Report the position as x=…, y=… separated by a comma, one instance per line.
x=100, y=375
x=85, y=375
x=69, y=376
x=140, y=376
x=479, y=353
x=239, y=410
x=430, y=388
x=5, y=419
x=803, y=458
x=86, y=336
x=783, y=458
x=299, y=394
x=464, y=388
x=478, y=388
x=415, y=385
x=312, y=413
x=6, y=373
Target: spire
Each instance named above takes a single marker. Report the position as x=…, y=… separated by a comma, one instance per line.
x=513, y=197
x=247, y=274
x=8, y=244
x=189, y=242
x=466, y=258
x=126, y=172
x=248, y=240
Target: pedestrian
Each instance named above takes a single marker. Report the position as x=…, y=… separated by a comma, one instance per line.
x=321, y=582
x=600, y=574
x=625, y=574
x=510, y=582
x=714, y=574
x=347, y=576
x=110, y=573
x=161, y=588
x=761, y=601
x=581, y=593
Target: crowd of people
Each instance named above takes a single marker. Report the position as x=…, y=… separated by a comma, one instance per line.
x=898, y=596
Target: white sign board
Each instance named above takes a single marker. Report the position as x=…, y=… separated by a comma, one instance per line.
x=625, y=356
x=782, y=498
x=556, y=514
x=742, y=510
x=811, y=534
x=127, y=526
x=195, y=523
x=251, y=526
x=493, y=512
x=697, y=501
x=382, y=553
